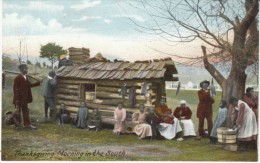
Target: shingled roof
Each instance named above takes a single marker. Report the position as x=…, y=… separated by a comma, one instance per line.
x=157, y=69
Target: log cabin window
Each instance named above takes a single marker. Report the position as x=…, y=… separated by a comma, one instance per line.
x=89, y=92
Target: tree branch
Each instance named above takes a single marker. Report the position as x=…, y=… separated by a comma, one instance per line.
x=211, y=69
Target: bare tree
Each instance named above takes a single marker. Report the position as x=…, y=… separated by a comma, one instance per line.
x=227, y=31
x=22, y=46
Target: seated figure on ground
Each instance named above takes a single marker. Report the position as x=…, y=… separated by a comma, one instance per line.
x=183, y=114
x=169, y=126
x=13, y=118
x=63, y=115
x=152, y=120
x=142, y=129
x=94, y=120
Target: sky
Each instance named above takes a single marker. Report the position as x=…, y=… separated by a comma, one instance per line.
x=100, y=25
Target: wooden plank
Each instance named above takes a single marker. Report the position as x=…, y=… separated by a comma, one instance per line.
x=115, y=102
x=68, y=86
x=123, y=65
x=67, y=97
x=71, y=72
x=69, y=108
x=67, y=91
x=143, y=66
x=104, y=82
x=117, y=96
x=108, y=89
x=108, y=107
x=68, y=103
x=160, y=66
x=74, y=81
x=99, y=75
x=81, y=72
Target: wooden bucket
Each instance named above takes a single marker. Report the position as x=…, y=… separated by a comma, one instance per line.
x=225, y=136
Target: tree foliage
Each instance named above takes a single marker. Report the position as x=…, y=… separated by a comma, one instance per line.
x=52, y=52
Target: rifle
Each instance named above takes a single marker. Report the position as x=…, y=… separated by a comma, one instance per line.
x=29, y=75
x=212, y=89
x=178, y=88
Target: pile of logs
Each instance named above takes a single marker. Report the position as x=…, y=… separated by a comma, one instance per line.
x=78, y=55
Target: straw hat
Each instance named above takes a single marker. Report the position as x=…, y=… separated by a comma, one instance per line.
x=62, y=56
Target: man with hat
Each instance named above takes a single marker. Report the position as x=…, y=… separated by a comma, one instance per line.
x=204, y=109
x=183, y=113
x=23, y=94
x=64, y=61
x=49, y=95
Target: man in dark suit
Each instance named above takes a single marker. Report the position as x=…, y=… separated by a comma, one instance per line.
x=204, y=109
x=23, y=94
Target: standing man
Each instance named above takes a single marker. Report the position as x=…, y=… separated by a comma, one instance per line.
x=23, y=94
x=204, y=109
x=49, y=96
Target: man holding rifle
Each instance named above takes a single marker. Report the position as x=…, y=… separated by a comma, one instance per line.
x=23, y=94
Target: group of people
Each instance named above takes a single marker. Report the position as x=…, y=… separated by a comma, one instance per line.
x=158, y=121
x=242, y=115
x=23, y=96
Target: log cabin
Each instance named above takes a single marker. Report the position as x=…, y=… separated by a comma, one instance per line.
x=101, y=85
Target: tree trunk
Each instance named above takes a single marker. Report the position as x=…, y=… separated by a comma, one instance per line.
x=234, y=85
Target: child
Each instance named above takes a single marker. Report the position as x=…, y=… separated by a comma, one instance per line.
x=13, y=118
x=152, y=120
x=219, y=121
x=63, y=115
x=120, y=117
x=94, y=120
x=82, y=115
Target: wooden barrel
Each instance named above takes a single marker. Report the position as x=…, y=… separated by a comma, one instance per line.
x=226, y=136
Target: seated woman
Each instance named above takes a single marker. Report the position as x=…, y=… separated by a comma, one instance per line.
x=163, y=112
x=120, y=117
x=183, y=113
x=169, y=126
x=142, y=129
x=94, y=120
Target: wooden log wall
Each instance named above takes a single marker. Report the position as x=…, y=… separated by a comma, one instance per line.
x=107, y=97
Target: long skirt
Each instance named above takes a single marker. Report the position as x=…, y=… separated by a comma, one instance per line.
x=188, y=127
x=119, y=127
x=143, y=130
x=169, y=131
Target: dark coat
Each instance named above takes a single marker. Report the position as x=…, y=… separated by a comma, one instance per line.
x=204, y=108
x=22, y=90
x=65, y=62
x=182, y=112
x=49, y=88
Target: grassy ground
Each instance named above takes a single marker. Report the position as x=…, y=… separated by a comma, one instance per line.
x=52, y=142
